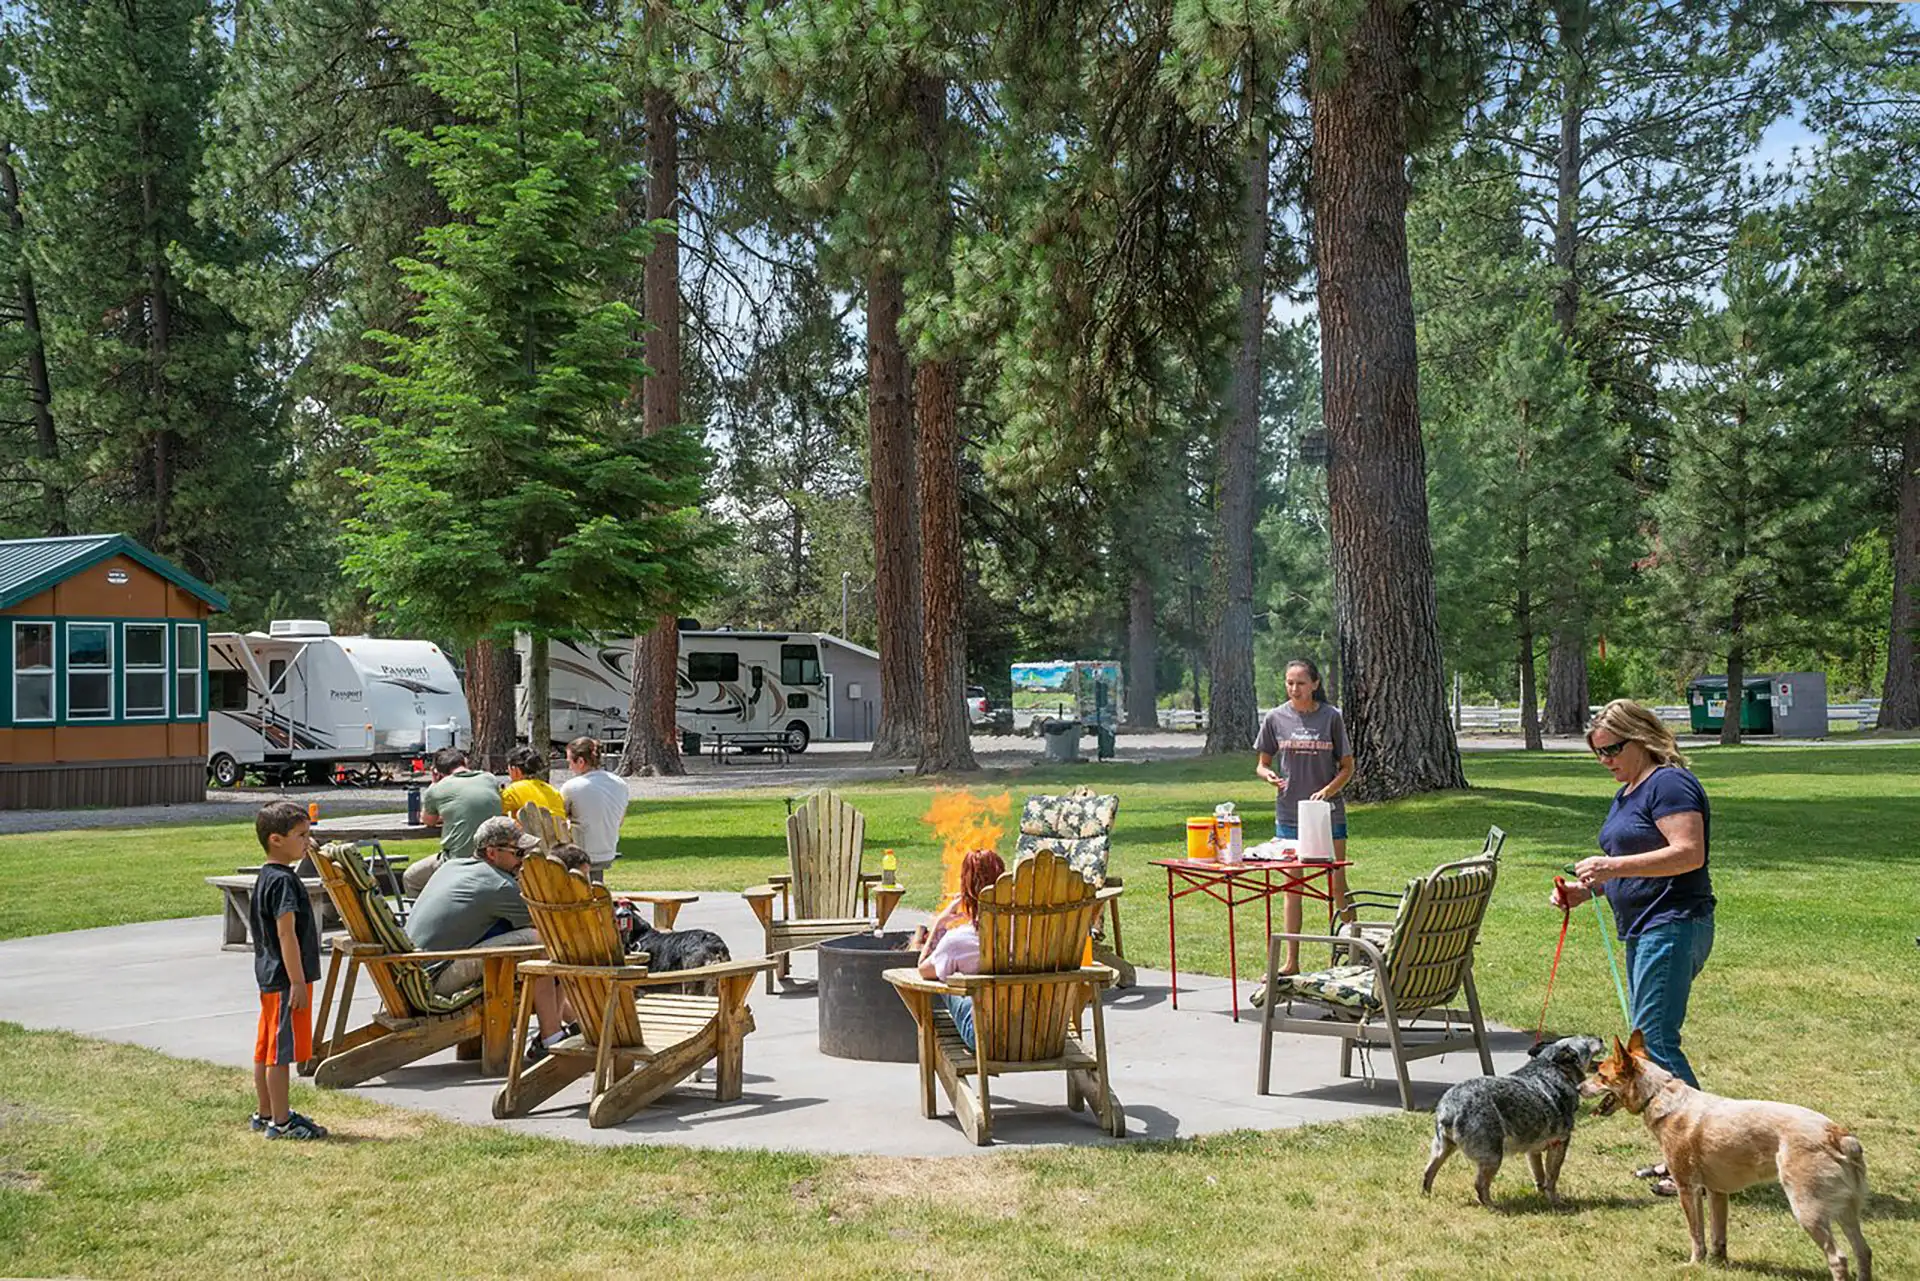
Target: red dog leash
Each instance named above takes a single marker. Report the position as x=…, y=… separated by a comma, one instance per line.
x=1566, y=919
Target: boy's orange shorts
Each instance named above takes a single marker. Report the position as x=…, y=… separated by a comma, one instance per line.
x=285, y=1035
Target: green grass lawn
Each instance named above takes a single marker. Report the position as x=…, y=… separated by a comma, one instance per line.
x=122, y=1162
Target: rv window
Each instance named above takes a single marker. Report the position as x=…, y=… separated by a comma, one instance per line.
x=89, y=671
x=32, y=672
x=711, y=665
x=228, y=689
x=276, y=670
x=799, y=665
x=798, y=702
x=186, y=672
x=145, y=691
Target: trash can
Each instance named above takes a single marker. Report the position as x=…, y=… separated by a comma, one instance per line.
x=689, y=743
x=1062, y=739
x=1707, y=704
x=1103, y=734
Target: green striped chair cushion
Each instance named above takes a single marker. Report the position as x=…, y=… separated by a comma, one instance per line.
x=414, y=981
x=1427, y=954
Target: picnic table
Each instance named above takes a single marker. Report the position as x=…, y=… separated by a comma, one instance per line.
x=1235, y=884
x=236, y=905
x=372, y=827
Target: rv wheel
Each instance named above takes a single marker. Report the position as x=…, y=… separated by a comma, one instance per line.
x=224, y=770
x=797, y=737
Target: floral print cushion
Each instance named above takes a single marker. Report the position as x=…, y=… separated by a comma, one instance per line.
x=1077, y=827
x=1078, y=815
x=1348, y=986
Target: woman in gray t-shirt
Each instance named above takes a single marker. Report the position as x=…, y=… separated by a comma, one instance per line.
x=1308, y=737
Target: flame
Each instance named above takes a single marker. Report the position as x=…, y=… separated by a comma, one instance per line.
x=963, y=822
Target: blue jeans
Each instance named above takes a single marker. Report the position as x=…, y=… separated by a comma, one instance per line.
x=961, y=1007
x=1661, y=966
x=1291, y=831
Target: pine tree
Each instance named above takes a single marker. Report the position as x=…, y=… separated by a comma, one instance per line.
x=172, y=423
x=1756, y=512
x=508, y=493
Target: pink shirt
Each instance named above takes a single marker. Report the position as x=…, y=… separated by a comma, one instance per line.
x=957, y=952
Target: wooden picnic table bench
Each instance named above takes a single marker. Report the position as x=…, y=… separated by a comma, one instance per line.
x=236, y=904
x=764, y=742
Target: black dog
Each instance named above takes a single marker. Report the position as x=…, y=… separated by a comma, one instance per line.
x=669, y=950
x=1530, y=1111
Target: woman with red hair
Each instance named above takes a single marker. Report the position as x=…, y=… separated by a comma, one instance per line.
x=951, y=945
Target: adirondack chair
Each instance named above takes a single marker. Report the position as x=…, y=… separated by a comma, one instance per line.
x=1079, y=827
x=414, y=1020
x=823, y=894
x=550, y=828
x=1028, y=999
x=1424, y=964
x=637, y=1045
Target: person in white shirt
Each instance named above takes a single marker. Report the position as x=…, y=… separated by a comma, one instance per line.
x=596, y=802
x=952, y=944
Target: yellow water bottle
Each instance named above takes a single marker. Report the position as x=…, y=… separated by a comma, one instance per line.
x=889, y=866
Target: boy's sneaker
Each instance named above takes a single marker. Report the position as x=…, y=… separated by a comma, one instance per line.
x=297, y=1127
x=257, y=1122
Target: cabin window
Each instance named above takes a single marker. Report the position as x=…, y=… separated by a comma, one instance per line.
x=799, y=665
x=712, y=665
x=276, y=674
x=32, y=672
x=186, y=672
x=229, y=690
x=145, y=681
x=89, y=671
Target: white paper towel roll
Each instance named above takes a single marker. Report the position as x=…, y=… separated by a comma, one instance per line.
x=1316, y=831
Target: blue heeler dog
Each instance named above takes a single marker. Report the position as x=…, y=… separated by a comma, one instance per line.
x=1530, y=1111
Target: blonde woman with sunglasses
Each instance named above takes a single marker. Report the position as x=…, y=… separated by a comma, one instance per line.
x=1653, y=873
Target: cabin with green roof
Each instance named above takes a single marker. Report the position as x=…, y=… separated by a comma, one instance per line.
x=103, y=674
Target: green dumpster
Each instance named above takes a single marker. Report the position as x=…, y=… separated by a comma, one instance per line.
x=1707, y=704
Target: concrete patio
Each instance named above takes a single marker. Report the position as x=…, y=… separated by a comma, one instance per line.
x=1179, y=1073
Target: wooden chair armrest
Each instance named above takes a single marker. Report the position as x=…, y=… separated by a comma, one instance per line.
x=1108, y=892
x=554, y=969
x=354, y=947
x=1100, y=975
x=725, y=969
x=870, y=878
x=531, y=951
x=909, y=978
x=780, y=880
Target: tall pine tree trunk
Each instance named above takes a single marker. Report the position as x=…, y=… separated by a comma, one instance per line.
x=1232, y=714
x=539, y=683
x=1529, y=688
x=46, y=442
x=1394, y=689
x=1143, y=645
x=896, y=523
x=490, y=704
x=944, y=728
x=1900, y=696
x=159, y=341
x=1736, y=677
x=653, y=731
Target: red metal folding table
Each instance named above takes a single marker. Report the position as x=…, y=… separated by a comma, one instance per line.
x=1237, y=883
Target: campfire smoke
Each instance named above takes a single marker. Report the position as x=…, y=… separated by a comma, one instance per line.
x=963, y=822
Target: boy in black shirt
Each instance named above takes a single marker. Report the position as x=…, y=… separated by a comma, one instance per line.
x=286, y=954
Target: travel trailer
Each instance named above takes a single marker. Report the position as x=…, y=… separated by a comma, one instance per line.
x=298, y=699
x=801, y=685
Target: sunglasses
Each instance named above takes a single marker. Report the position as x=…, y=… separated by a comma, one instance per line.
x=1611, y=750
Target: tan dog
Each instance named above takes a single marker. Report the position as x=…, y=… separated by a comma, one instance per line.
x=1714, y=1146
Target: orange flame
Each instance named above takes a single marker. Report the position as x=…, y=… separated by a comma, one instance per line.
x=963, y=822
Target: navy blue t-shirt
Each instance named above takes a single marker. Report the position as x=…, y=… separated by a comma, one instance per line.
x=1642, y=902
x=277, y=892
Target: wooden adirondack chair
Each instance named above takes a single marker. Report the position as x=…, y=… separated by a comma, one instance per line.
x=638, y=1046
x=1425, y=962
x=1027, y=999
x=824, y=894
x=414, y=1020
x=539, y=821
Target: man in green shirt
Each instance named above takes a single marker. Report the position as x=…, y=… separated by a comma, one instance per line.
x=460, y=800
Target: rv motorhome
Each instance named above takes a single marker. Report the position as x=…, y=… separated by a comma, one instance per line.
x=300, y=699
x=747, y=683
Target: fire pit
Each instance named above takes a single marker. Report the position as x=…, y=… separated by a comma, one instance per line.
x=861, y=1016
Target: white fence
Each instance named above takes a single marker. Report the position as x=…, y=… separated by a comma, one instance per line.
x=1865, y=713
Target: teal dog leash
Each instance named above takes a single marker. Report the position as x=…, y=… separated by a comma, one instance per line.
x=1606, y=937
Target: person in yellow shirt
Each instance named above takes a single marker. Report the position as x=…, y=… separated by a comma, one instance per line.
x=529, y=786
